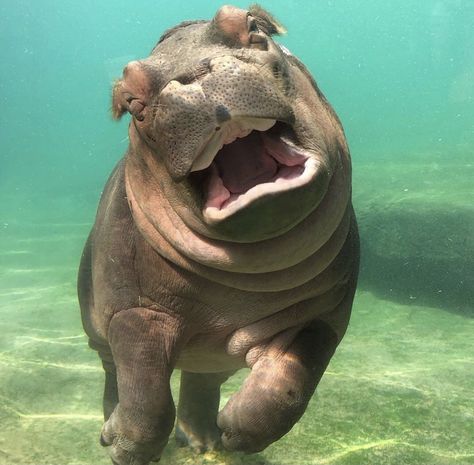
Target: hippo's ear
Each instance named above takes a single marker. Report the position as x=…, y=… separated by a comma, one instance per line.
x=118, y=104
x=266, y=21
x=131, y=93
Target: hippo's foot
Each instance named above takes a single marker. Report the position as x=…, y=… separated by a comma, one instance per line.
x=275, y=394
x=197, y=410
x=267, y=406
x=198, y=439
x=125, y=451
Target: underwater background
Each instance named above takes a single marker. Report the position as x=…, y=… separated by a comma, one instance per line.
x=400, y=75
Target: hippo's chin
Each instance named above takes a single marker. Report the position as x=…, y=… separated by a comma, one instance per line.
x=250, y=160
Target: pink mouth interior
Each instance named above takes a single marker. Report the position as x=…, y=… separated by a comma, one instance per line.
x=259, y=158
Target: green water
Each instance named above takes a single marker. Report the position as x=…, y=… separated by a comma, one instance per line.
x=401, y=77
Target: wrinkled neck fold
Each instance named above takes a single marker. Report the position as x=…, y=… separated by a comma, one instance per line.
x=290, y=258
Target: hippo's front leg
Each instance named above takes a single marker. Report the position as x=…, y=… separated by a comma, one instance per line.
x=144, y=345
x=275, y=394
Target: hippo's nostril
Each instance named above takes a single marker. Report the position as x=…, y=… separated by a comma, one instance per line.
x=222, y=115
x=205, y=64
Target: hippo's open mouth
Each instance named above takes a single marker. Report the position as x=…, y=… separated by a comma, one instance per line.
x=247, y=160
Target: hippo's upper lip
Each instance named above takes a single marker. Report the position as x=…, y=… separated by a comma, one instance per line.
x=248, y=159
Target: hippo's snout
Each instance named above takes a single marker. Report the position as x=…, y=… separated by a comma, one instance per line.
x=188, y=115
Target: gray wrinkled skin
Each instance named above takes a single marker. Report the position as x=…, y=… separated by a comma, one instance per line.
x=224, y=238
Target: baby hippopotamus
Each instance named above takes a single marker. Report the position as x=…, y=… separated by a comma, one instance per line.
x=225, y=238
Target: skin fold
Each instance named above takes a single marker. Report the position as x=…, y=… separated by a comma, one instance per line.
x=211, y=259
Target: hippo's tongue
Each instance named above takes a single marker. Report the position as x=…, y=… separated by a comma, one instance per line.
x=244, y=163
x=251, y=166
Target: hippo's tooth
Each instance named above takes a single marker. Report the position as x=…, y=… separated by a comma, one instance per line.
x=208, y=153
x=257, y=124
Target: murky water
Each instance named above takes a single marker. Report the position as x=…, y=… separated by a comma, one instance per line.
x=401, y=77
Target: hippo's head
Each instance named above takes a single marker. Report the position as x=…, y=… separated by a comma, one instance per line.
x=243, y=143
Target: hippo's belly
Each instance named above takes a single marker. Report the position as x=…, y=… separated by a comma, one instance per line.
x=208, y=358
x=226, y=348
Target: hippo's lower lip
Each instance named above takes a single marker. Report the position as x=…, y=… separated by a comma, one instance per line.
x=249, y=165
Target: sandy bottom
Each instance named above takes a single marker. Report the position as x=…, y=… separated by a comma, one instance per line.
x=398, y=391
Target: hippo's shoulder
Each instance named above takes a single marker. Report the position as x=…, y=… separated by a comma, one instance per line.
x=113, y=201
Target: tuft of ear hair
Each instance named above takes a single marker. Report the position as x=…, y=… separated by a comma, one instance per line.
x=266, y=21
x=117, y=107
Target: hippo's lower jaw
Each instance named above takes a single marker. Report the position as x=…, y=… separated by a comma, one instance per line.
x=248, y=159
